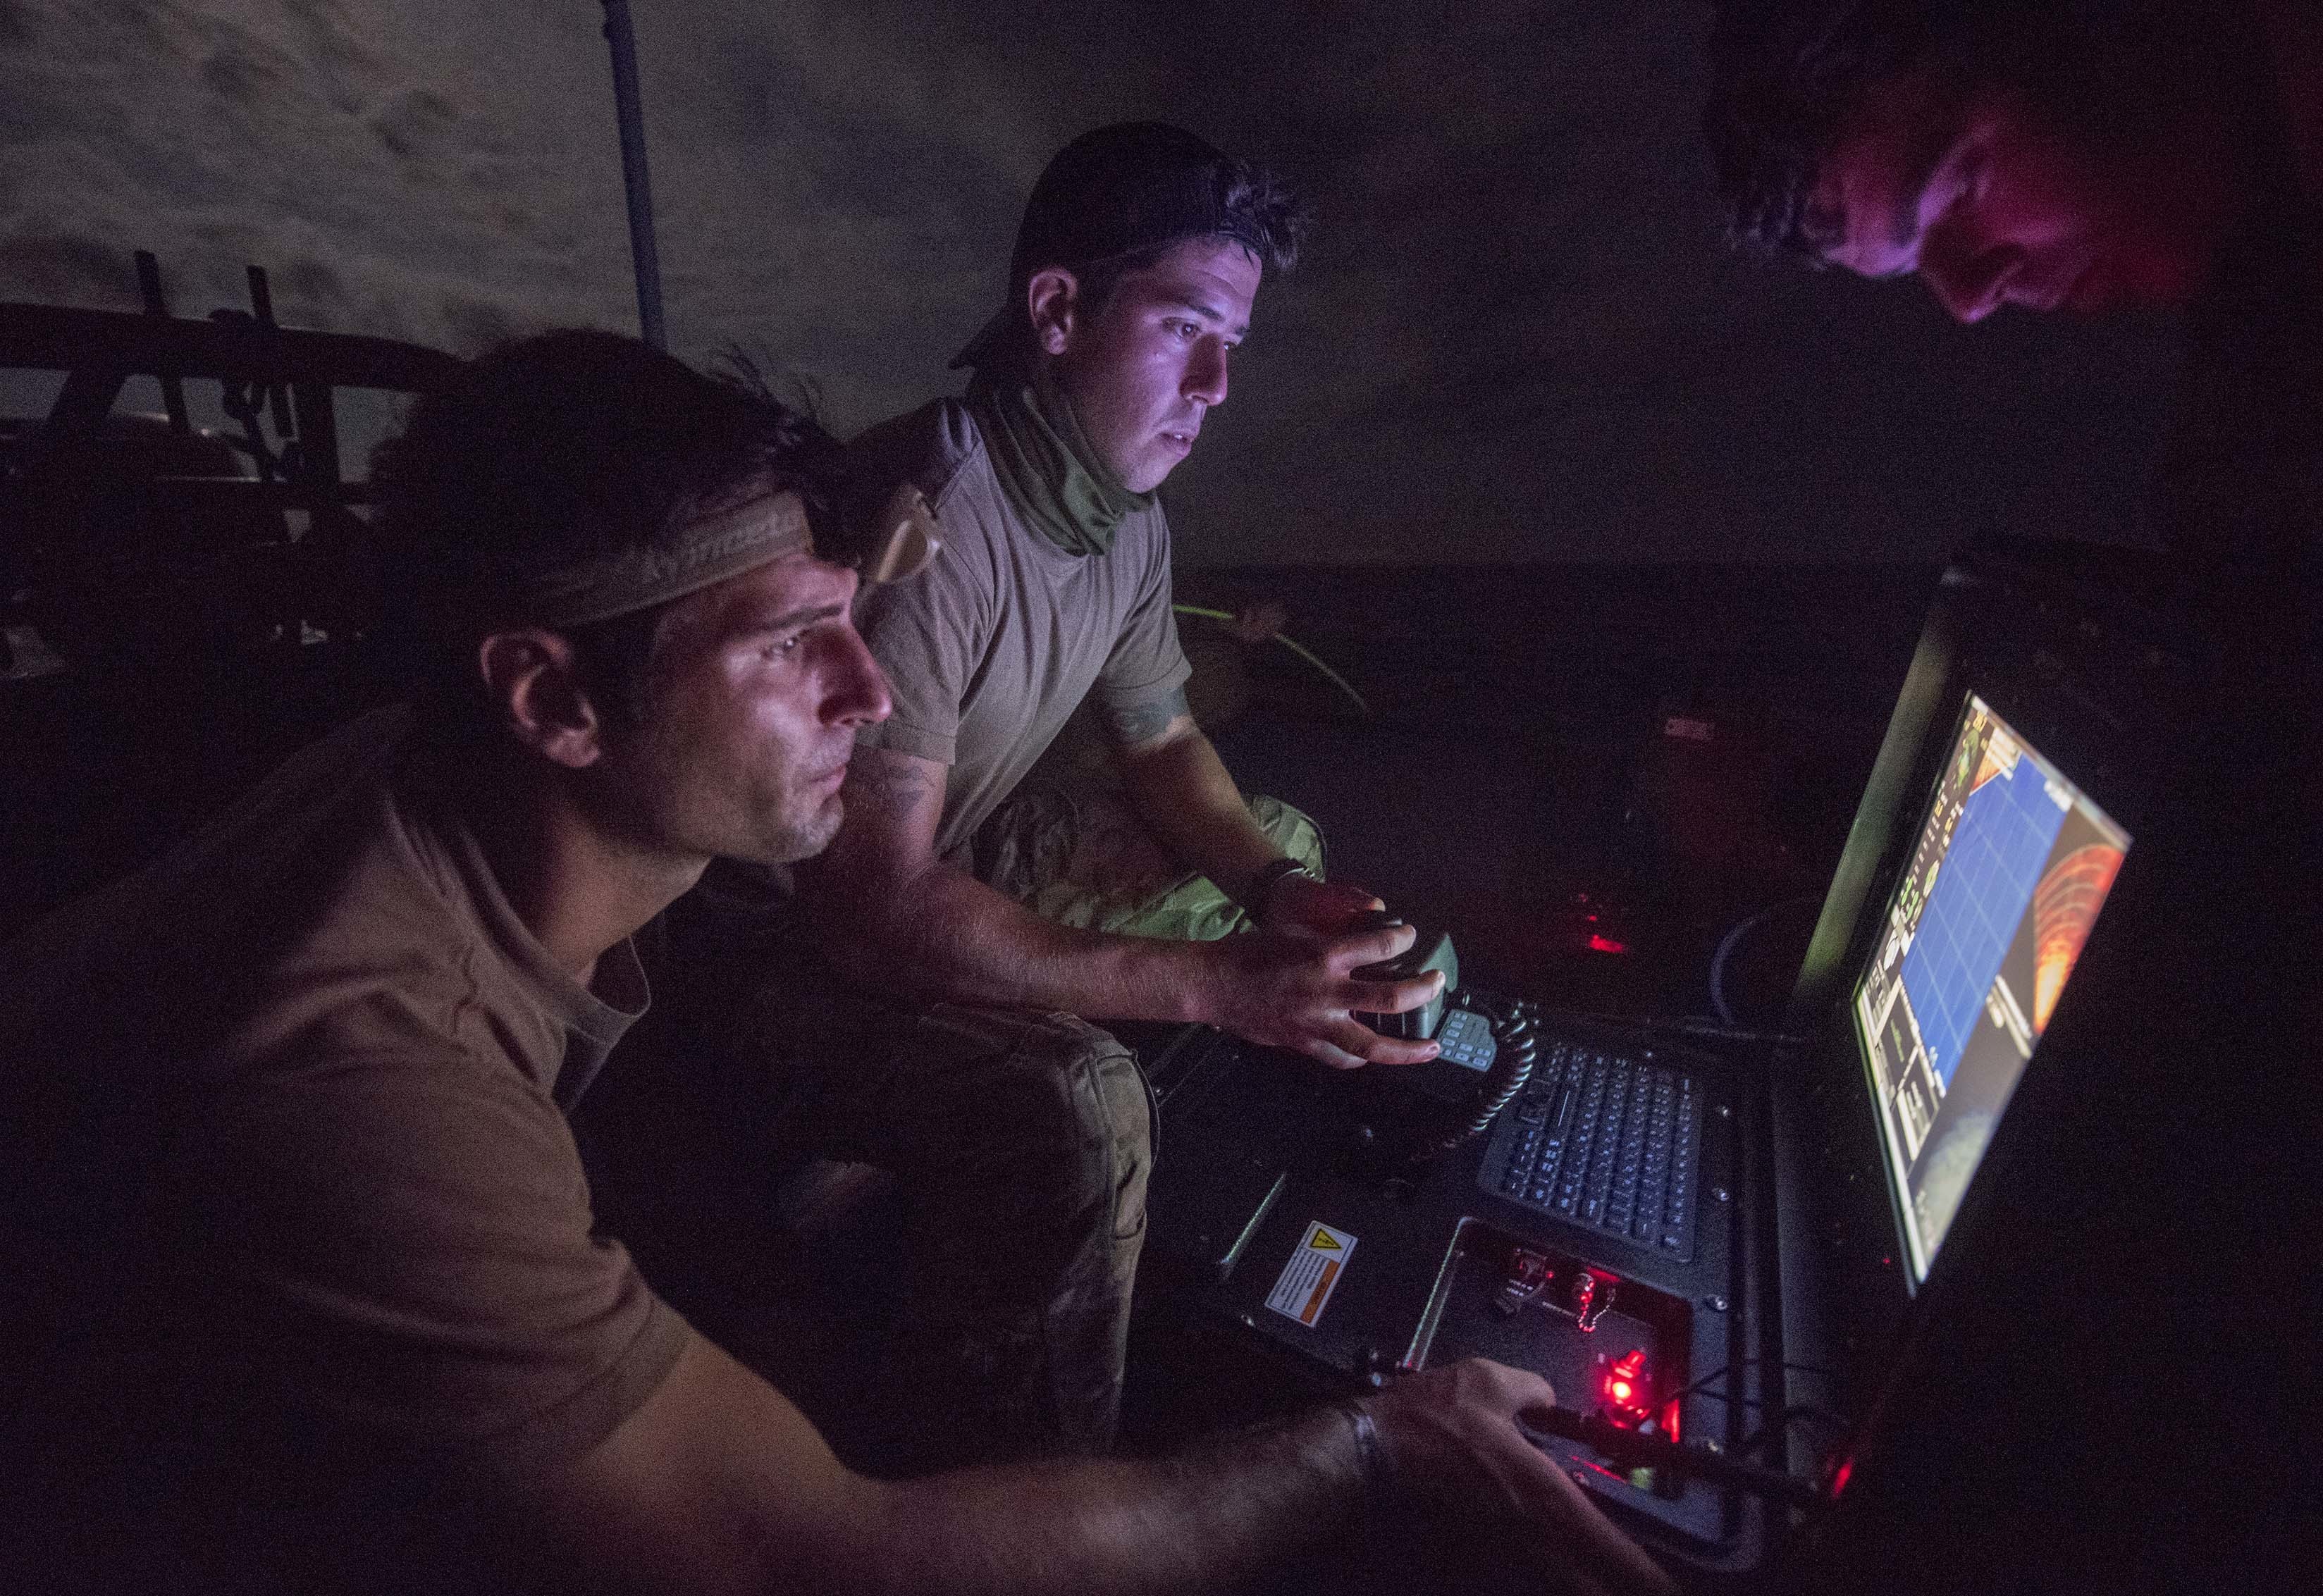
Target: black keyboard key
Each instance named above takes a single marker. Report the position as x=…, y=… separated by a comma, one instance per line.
x=1606, y=1141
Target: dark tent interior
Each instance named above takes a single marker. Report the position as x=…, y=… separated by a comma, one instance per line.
x=1626, y=595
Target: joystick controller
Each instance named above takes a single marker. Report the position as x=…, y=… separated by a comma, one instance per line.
x=1427, y=952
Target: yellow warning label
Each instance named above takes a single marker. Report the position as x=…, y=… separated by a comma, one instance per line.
x=1304, y=1288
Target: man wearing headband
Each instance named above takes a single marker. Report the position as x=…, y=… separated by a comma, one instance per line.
x=976, y=928
x=304, y=1292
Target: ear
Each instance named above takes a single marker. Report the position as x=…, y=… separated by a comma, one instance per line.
x=532, y=678
x=1051, y=297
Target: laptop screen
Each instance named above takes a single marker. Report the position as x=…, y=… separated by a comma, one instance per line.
x=2012, y=863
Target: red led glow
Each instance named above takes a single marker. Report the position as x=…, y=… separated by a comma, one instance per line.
x=1601, y=943
x=1623, y=1388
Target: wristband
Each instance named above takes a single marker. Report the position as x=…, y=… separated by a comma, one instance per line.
x=1379, y=1468
x=1269, y=874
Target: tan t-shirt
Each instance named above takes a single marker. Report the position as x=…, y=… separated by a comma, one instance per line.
x=286, y=1172
x=991, y=650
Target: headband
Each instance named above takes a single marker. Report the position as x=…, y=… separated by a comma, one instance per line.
x=725, y=544
x=711, y=549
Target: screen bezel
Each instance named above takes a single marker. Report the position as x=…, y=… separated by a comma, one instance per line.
x=2083, y=651
x=1920, y=1259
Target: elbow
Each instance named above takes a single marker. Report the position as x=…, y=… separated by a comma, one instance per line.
x=870, y=930
x=1175, y=742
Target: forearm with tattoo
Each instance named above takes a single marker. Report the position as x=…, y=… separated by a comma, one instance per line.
x=898, y=791
x=1144, y=723
x=896, y=915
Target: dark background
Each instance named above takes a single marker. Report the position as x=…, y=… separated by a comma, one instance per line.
x=1625, y=481
x=1516, y=338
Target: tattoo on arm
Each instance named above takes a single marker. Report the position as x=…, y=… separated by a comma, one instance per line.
x=897, y=786
x=1142, y=723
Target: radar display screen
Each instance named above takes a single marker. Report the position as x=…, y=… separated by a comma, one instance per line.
x=2006, y=880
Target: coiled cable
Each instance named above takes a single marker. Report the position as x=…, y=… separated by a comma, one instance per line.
x=1513, y=1054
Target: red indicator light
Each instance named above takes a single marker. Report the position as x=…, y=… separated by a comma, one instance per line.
x=1624, y=1388
x=1845, y=1471
x=1601, y=943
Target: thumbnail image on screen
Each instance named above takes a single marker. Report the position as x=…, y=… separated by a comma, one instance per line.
x=2001, y=889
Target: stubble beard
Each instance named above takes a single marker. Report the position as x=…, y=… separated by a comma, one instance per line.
x=804, y=838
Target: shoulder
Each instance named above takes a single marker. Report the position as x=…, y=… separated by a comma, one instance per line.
x=412, y=951
x=931, y=448
x=939, y=449
x=344, y=910
x=183, y=943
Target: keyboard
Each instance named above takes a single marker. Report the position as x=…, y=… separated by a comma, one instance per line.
x=1605, y=1139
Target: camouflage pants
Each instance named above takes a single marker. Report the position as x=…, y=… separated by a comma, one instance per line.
x=1021, y=1140
x=1084, y=859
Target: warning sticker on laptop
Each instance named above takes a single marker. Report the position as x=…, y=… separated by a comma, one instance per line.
x=1307, y=1280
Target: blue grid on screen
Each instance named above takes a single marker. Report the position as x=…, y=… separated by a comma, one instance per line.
x=1982, y=887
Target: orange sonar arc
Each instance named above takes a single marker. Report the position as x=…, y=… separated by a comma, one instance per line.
x=2064, y=907
x=1988, y=767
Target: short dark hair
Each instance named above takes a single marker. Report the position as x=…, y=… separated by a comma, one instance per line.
x=1117, y=199
x=1782, y=73
x=1271, y=220
x=1271, y=224
x=557, y=448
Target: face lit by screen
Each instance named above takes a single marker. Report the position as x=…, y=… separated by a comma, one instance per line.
x=1987, y=202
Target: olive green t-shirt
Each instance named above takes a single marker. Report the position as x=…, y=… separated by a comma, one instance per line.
x=991, y=650
x=285, y=1172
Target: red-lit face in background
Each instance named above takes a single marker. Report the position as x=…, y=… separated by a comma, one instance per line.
x=1989, y=203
